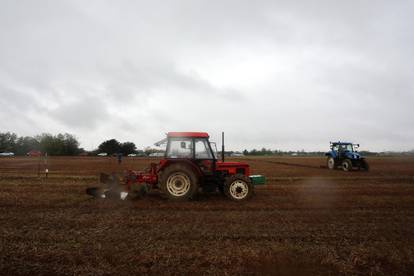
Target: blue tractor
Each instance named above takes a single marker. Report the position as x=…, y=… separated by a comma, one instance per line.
x=344, y=155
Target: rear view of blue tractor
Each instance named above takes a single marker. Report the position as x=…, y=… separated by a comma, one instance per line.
x=344, y=155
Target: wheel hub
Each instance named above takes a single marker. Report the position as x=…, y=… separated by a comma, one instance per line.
x=239, y=189
x=178, y=184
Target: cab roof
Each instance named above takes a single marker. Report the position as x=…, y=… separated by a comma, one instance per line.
x=188, y=134
x=341, y=143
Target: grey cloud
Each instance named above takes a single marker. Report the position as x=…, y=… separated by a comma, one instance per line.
x=270, y=73
x=83, y=113
x=139, y=81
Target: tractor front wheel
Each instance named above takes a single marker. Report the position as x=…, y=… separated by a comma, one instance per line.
x=347, y=165
x=178, y=182
x=330, y=163
x=364, y=165
x=238, y=187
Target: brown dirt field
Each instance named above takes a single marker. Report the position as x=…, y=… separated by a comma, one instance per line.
x=306, y=221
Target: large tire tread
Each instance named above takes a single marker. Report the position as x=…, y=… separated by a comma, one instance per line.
x=348, y=168
x=327, y=163
x=173, y=168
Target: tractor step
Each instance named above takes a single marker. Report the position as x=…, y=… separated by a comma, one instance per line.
x=258, y=179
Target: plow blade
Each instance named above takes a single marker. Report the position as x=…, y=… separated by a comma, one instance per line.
x=96, y=192
x=111, y=187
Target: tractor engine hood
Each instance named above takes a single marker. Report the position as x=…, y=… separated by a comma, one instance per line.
x=240, y=168
x=233, y=167
x=352, y=155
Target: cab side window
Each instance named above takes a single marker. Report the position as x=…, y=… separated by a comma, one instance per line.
x=202, y=150
x=180, y=148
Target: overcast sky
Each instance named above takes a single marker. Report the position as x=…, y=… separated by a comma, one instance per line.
x=274, y=74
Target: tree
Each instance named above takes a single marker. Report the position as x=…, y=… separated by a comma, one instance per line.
x=7, y=141
x=127, y=148
x=48, y=144
x=110, y=146
x=61, y=144
x=70, y=144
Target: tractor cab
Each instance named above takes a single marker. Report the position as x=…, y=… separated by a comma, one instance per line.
x=192, y=148
x=196, y=148
x=189, y=145
x=344, y=148
x=345, y=154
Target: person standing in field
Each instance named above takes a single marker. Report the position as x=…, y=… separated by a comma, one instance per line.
x=119, y=157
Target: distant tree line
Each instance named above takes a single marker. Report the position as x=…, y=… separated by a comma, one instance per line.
x=60, y=144
x=264, y=152
x=269, y=152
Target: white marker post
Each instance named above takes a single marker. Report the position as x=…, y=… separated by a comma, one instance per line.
x=46, y=169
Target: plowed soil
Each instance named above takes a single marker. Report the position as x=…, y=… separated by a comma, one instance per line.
x=307, y=220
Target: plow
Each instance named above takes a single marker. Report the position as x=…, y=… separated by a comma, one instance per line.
x=190, y=166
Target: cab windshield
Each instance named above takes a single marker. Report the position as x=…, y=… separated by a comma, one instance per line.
x=346, y=147
x=202, y=149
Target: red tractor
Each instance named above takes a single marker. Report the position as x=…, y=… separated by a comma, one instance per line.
x=189, y=165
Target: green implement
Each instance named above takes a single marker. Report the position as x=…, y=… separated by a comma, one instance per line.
x=258, y=179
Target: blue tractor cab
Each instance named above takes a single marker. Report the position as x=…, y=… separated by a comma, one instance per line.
x=345, y=155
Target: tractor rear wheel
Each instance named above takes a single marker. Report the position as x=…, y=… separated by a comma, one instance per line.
x=330, y=163
x=347, y=165
x=178, y=182
x=221, y=189
x=238, y=187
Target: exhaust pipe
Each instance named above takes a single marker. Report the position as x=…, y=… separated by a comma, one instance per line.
x=222, y=146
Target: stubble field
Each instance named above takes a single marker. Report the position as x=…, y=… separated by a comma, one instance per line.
x=305, y=221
